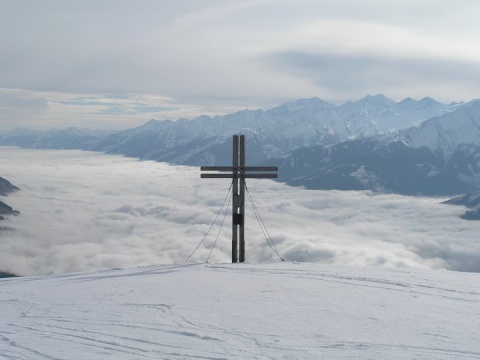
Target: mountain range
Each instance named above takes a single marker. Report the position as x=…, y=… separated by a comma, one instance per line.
x=414, y=147
x=273, y=133
x=439, y=157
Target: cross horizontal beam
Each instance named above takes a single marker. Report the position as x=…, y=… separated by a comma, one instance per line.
x=245, y=176
x=231, y=168
x=216, y=168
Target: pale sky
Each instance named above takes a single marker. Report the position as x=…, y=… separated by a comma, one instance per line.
x=119, y=63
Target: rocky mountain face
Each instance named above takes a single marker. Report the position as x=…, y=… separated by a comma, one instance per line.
x=6, y=188
x=4, y=274
x=470, y=201
x=439, y=157
x=6, y=210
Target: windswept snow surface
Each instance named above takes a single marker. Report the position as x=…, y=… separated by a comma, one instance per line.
x=242, y=311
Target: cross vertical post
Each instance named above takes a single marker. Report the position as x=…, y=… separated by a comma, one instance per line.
x=241, y=227
x=235, y=213
x=238, y=172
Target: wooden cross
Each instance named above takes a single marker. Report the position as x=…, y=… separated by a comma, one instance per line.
x=238, y=172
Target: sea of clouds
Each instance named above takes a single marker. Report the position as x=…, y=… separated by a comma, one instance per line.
x=89, y=211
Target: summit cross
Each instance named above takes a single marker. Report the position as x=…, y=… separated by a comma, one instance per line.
x=238, y=172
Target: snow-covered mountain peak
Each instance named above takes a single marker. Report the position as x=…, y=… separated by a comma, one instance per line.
x=446, y=132
x=305, y=105
x=152, y=125
x=408, y=101
x=378, y=98
x=70, y=131
x=429, y=102
x=370, y=104
x=312, y=103
x=375, y=103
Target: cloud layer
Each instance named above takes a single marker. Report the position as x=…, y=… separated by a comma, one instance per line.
x=88, y=211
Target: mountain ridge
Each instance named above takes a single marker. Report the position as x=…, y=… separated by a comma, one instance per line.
x=420, y=136
x=471, y=201
x=439, y=157
x=304, y=122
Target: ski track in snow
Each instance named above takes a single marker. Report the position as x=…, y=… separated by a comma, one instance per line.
x=247, y=311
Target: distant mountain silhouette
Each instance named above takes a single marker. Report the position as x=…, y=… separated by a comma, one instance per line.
x=411, y=147
x=470, y=201
x=6, y=187
x=6, y=210
x=4, y=274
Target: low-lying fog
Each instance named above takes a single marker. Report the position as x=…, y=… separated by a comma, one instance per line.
x=88, y=211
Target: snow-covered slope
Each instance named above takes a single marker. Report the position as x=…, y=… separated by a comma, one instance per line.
x=247, y=311
x=445, y=133
x=373, y=115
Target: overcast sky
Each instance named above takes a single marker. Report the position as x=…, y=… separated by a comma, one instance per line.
x=88, y=211
x=119, y=63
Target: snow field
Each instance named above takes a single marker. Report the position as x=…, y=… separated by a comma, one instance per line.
x=247, y=311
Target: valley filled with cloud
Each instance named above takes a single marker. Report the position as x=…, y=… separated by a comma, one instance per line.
x=89, y=211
